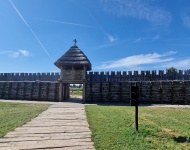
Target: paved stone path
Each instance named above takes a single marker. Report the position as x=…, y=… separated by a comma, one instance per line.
x=62, y=126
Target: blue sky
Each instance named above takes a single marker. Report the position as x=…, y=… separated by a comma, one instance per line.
x=116, y=35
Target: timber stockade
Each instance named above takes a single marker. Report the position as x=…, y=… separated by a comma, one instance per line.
x=170, y=86
x=154, y=87
x=112, y=76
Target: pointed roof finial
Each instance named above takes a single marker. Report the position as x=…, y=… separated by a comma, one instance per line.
x=75, y=42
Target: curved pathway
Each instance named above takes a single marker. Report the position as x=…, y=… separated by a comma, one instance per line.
x=61, y=126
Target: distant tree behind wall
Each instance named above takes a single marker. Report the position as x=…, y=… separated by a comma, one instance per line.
x=171, y=69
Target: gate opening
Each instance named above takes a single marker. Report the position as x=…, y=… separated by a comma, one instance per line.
x=76, y=92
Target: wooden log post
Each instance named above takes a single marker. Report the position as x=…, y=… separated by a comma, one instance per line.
x=109, y=92
x=150, y=93
x=60, y=91
x=40, y=90
x=184, y=92
x=172, y=93
x=100, y=92
x=84, y=93
x=67, y=91
x=160, y=91
x=32, y=91
x=9, y=90
x=56, y=91
x=47, y=91
x=91, y=94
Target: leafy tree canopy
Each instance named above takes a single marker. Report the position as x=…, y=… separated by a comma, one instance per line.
x=172, y=69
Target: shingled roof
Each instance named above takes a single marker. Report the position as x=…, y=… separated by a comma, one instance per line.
x=74, y=56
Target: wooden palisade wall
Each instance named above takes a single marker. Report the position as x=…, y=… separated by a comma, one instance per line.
x=40, y=91
x=155, y=87
x=148, y=75
x=29, y=76
x=137, y=76
x=151, y=92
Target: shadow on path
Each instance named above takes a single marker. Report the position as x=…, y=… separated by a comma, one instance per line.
x=75, y=99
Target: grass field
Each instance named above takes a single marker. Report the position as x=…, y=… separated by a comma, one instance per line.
x=13, y=115
x=159, y=128
x=76, y=91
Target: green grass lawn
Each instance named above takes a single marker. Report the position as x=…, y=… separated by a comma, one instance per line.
x=76, y=91
x=113, y=128
x=13, y=115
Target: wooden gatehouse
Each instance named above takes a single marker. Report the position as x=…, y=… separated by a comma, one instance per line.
x=73, y=65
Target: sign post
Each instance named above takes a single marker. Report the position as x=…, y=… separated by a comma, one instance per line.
x=134, y=95
x=136, y=118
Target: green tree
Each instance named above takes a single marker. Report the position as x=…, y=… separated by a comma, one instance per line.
x=171, y=69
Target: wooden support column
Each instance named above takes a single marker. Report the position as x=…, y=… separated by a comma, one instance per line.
x=64, y=92
x=60, y=91
x=83, y=94
x=67, y=91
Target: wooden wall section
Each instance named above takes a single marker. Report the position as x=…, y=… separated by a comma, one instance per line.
x=53, y=76
x=154, y=86
x=118, y=76
x=151, y=92
x=40, y=91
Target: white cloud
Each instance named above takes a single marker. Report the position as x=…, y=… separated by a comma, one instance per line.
x=24, y=52
x=111, y=38
x=110, y=41
x=13, y=54
x=138, y=60
x=186, y=20
x=141, y=9
x=180, y=64
x=170, y=53
x=70, y=23
x=139, y=40
x=106, y=45
x=156, y=37
x=150, y=38
x=16, y=54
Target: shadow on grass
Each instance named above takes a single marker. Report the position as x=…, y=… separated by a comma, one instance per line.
x=182, y=139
